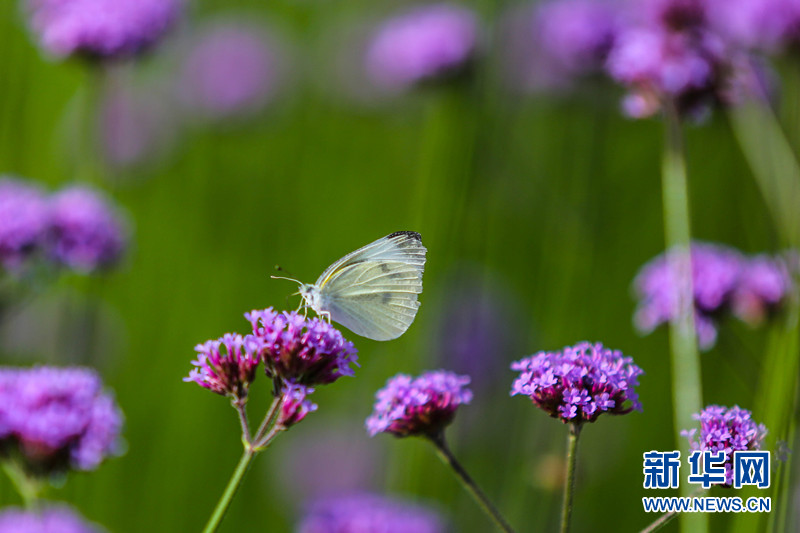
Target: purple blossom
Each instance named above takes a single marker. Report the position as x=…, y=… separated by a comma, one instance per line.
x=579, y=383
x=423, y=44
x=52, y=519
x=715, y=276
x=231, y=69
x=724, y=429
x=299, y=350
x=669, y=51
x=361, y=513
x=24, y=220
x=227, y=365
x=764, y=285
x=559, y=41
x=295, y=405
x=56, y=418
x=418, y=406
x=86, y=233
x=103, y=29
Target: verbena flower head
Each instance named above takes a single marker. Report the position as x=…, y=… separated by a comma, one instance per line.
x=715, y=274
x=764, y=285
x=724, y=429
x=101, y=29
x=86, y=233
x=360, y=513
x=423, y=44
x=418, y=406
x=53, y=419
x=227, y=365
x=230, y=70
x=52, y=519
x=560, y=41
x=579, y=383
x=24, y=220
x=300, y=350
x=296, y=405
x=669, y=51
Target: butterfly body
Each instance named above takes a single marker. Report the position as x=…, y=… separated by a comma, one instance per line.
x=374, y=290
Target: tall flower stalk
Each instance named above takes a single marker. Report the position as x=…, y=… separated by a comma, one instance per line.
x=577, y=385
x=423, y=407
x=687, y=394
x=297, y=354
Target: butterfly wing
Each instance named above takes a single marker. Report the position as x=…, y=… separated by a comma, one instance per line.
x=373, y=291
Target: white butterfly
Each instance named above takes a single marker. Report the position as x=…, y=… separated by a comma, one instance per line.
x=372, y=291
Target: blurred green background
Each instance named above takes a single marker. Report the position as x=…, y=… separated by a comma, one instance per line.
x=540, y=209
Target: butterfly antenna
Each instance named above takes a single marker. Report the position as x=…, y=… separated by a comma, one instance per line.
x=288, y=279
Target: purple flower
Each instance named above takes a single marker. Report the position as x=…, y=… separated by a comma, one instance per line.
x=55, y=418
x=52, y=519
x=230, y=70
x=579, y=383
x=423, y=44
x=86, y=233
x=369, y=513
x=669, y=51
x=715, y=274
x=418, y=406
x=24, y=220
x=764, y=285
x=559, y=41
x=299, y=350
x=227, y=365
x=295, y=405
x=103, y=29
x=724, y=429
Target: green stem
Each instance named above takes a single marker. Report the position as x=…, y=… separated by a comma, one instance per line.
x=468, y=483
x=230, y=490
x=268, y=418
x=240, y=404
x=666, y=518
x=687, y=396
x=569, y=480
x=27, y=487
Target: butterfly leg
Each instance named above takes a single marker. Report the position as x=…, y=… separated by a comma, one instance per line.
x=326, y=315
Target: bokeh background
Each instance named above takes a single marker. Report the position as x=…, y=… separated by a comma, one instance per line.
x=537, y=211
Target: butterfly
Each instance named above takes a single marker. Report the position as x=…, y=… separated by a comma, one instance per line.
x=372, y=291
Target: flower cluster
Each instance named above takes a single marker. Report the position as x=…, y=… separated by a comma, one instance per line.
x=52, y=419
x=76, y=228
x=728, y=430
x=301, y=350
x=59, y=519
x=103, y=29
x=298, y=353
x=579, y=383
x=358, y=513
x=722, y=279
x=418, y=406
x=423, y=44
x=226, y=365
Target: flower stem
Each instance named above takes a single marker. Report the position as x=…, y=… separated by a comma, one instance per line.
x=666, y=518
x=230, y=490
x=27, y=488
x=569, y=481
x=268, y=419
x=687, y=397
x=240, y=404
x=468, y=483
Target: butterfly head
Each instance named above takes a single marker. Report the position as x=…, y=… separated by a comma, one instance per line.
x=311, y=295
